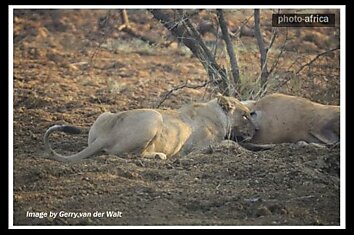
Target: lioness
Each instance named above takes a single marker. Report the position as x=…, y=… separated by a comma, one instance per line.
x=289, y=119
x=163, y=133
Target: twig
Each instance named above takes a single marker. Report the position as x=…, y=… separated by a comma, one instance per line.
x=124, y=18
x=238, y=32
x=216, y=41
x=263, y=89
x=309, y=64
x=296, y=61
x=185, y=85
x=300, y=198
x=199, y=39
x=207, y=59
x=274, y=65
x=274, y=35
x=314, y=59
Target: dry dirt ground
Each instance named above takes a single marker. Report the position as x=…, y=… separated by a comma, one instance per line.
x=68, y=70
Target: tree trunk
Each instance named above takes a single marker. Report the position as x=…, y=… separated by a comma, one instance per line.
x=229, y=47
x=262, y=49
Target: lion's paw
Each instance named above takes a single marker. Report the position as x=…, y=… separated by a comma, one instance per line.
x=161, y=156
x=155, y=155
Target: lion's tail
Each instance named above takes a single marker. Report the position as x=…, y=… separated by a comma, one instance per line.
x=257, y=147
x=88, y=151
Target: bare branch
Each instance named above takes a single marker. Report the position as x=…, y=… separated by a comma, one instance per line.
x=274, y=35
x=185, y=32
x=314, y=59
x=274, y=65
x=199, y=39
x=309, y=63
x=216, y=41
x=224, y=83
x=185, y=85
x=229, y=47
x=175, y=28
x=237, y=33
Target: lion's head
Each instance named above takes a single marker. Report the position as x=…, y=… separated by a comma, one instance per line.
x=241, y=125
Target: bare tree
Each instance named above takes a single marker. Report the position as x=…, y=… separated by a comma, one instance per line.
x=179, y=24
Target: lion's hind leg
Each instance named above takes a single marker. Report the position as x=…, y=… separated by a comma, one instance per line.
x=133, y=131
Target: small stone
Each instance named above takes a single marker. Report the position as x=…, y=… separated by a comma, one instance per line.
x=263, y=211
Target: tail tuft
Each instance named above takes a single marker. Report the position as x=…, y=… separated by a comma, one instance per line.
x=70, y=129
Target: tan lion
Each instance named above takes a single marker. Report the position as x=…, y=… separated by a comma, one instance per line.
x=163, y=133
x=289, y=119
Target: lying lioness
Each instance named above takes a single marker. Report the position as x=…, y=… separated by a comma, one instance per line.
x=163, y=133
x=289, y=119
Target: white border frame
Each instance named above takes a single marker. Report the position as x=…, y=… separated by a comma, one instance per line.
x=342, y=9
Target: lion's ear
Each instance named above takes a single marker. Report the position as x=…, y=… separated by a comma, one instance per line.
x=225, y=103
